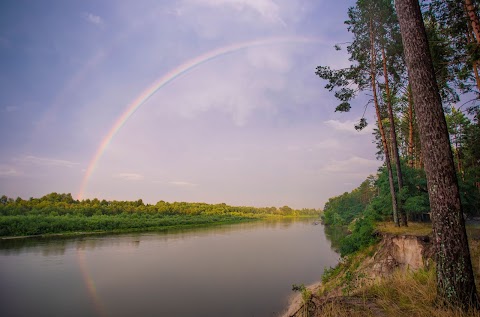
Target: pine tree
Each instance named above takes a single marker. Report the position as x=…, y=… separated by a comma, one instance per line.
x=375, y=49
x=455, y=280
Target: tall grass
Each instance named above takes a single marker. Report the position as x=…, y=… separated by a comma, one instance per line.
x=414, y=228
x=403, y=293
x=411, y=294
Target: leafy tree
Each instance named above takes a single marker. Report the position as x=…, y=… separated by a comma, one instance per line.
x=342, y=210
x=375, y=32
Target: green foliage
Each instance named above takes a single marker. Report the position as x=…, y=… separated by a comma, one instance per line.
x=414, y=194
x=453, y=51
x=371, y=202
x=330, y=273
x=362, y=236
x=361, y=124
x=306, y=293
x=49, y=224
x=354, y=209
x=343, y=107
x=341, y=210
x=60, y=213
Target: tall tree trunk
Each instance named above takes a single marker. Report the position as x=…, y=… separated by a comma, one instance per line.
x=410, y=127
x=380, y=125
x=420, y=157
x=457, y=151
x=471, y=39
x=393, y=136
x=459, y=162
x=472, y=15
x=475, y=72
x=455, y=280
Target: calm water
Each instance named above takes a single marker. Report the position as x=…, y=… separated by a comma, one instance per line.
x=235, y=270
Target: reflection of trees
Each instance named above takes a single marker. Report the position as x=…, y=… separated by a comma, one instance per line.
x=57, y=245
x=53, y=250
x=45, y=246
x=287, y=223
x=335, y=234
x=283, y=222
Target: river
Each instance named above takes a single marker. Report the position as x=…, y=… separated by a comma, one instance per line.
x=233, y=270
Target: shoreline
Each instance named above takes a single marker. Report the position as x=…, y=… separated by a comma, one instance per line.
x=122, y=231
x=295, y=302
x=72, y=234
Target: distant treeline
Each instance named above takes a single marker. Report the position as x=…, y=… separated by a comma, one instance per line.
x=60, y=213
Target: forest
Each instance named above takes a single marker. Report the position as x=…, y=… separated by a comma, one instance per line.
x=60, y=213
x=418, y=66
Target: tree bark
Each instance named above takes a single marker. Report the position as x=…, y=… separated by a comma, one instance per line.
x=393, y=135
x=455, y=279
x=410, y=128
x=472, y=15
x=380, y=125
x=471, y=39
x=456, y=134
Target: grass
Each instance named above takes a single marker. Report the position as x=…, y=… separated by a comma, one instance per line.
x=403, y=293
x=414, y=228
x=339, y=278
x=410, y=294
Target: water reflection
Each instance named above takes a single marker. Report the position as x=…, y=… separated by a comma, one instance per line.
x=55, y=245
x=335, y=234
x=237, y=270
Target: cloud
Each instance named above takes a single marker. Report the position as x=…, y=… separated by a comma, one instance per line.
x=348, y=126
x=352, y=165
x=267, y=9
x=222, y=19
x=328, y=144
x=264, y=58
x=250, y=83
x=92, y=18
x=175, y=12
x=8, y=171
x=129, y=176
x=324, y=145
x=183, y=184
x=43, y=161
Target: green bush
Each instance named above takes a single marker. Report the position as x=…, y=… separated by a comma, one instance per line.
x=363, y=235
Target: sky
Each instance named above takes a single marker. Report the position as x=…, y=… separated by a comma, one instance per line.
x=234, y=114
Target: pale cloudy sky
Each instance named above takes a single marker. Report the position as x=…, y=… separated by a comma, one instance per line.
x=252, y=127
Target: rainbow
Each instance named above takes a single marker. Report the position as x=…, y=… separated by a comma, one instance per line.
x=90, y=284
x=169, y=77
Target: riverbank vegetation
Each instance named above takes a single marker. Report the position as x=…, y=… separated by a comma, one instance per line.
x=360, y=210
x=60, y=213
x=349, y=290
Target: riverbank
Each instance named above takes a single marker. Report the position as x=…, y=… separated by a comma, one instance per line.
x=131, y=230
x=61, y=214
x=395, y=277
x=42, y=225
x=183, y=223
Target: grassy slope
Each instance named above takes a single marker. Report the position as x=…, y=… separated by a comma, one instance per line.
x=400, y=294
